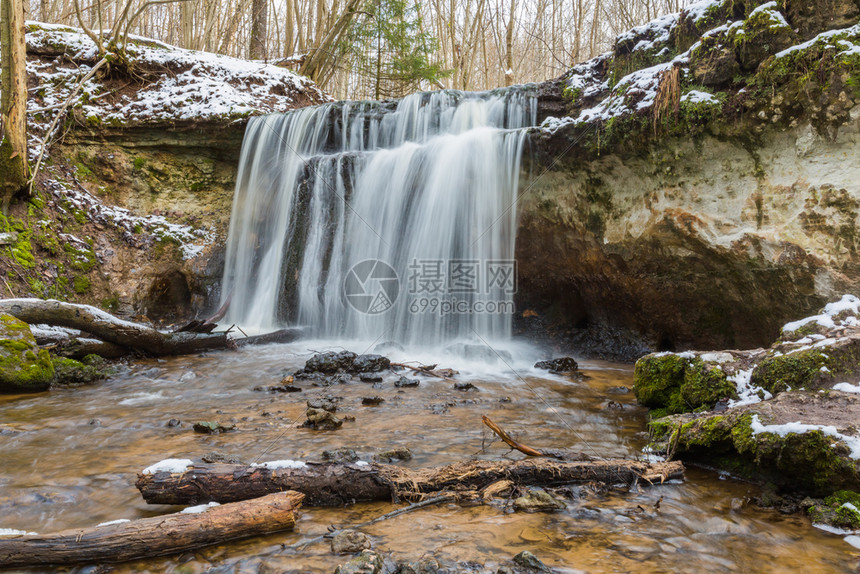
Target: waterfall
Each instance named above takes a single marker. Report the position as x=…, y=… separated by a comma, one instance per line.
x=380, y=220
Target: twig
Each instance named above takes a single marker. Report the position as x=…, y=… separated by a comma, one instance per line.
x=425, y=370
x=414, y=506
x=506, y=438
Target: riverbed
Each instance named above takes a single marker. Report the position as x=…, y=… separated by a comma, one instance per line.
x=71, y=456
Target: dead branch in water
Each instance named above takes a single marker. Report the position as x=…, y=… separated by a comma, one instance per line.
x=156, y=536
x=425, y=370
x=506, y=438
x=334, y=484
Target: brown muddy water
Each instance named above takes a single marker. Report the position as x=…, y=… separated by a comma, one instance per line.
x=70, y=458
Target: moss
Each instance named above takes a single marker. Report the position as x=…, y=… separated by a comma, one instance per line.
x=657, y=379
x=794, y=371
x=23, y=366
x=677, y=385
x=110, y=303
x=81, y=259
x=705, y=384
x=82, y=171
x=72, y=372
x=81, y=284
x=139, y=162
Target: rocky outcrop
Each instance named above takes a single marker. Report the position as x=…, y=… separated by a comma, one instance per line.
x=691, y=215
x=786, y=415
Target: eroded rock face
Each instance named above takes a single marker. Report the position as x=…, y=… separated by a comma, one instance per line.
x=23, y=367
x=694, y=244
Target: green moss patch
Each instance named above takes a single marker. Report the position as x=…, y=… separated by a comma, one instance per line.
x=23, y=367
x=678, y=385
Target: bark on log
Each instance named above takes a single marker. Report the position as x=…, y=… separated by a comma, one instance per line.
x=332, y=484
x=156, y=536
x=111, y=329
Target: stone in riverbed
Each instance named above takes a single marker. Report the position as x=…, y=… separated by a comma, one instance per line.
x=391, y=455
x=424, y=565
x=212, y=427
x=23, y=367
x=528, y=560
x=538, y=500
x=330, y=363
x=560, y=365
x=406, y=382
x=73, y=373
x=372, y=401
x=368, y=562
x=350, y=542
x=319, y=419
x=369, y=364
x=342, y=454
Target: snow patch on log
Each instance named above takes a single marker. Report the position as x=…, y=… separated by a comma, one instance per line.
x=199, y=508
x=112, y=522
x=13, y=532
x=276, y=464
x=171, y=465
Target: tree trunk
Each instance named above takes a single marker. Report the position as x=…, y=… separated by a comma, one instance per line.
x=13, y=100
x=332, y=484
x=109, y=328
x=156, y=536
x=259, y=29
x=509, y=47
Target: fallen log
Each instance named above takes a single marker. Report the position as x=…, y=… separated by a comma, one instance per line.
x=156, y=536
x=287, y=335
x=334, y=484
x=111, y=329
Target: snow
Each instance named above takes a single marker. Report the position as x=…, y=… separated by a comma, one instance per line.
x=832, y=529
x=192, y=240
x=197, y=85
x=699, y=10
x=825, y=37
x=697, y=97
x=199, y=508
x=847, y=388
x=276, y=464
x=13, y=532
x=553, y=124
x=773, y=13
x=848, y=303
x=52, y=331
x=362, y=463
x=853, y=541
x=658, y=31
x=748, y=394
x=852, y=442
x=112, y=522
x=172, y=465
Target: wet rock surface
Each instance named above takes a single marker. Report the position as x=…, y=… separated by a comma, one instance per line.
x=212, y=427
x=368, y=562
x=560, y=365
x=537, y=500
x=350, y=542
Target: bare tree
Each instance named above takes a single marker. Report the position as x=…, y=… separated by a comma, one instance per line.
x=259, y=29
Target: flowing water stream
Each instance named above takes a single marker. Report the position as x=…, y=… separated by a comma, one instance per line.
x=70, y=459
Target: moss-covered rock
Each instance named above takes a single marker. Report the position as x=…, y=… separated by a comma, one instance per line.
x=71, y=372
x=750, y=441
x=24, y=368
x=841, y=509
x=679, y=383
x=809, y=369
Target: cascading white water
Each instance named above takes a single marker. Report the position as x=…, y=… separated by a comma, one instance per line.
x=428, y=186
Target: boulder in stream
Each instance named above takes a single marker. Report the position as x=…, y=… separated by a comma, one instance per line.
x=330, y=362
x=560, y=365
x=368, y=562
x=24, y=368
x=538, y=500
x=350, y=542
